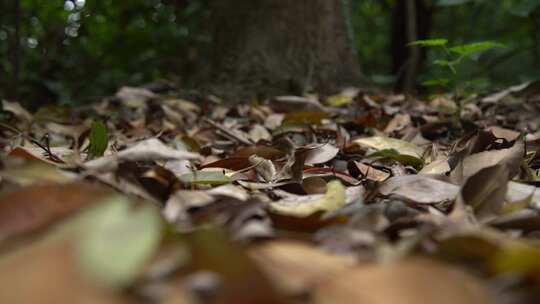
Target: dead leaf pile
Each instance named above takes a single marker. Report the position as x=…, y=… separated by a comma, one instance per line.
x=349, y=198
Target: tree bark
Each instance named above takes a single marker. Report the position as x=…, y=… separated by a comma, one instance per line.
x=273, y=46
x=411, y=20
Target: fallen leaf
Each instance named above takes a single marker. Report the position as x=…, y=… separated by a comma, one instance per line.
x=147, y=150
x=518, y=192
x=420, y=189
x=339, y=100
x=485, y=191
x=409, y=281
x=362, y=170
x=116, y=239
x=510, y=157
x=212, y=177
x=387, y=143
x=34, y=207
x=303, y=206
x=321, y=154
x=17, y=110
x=284, y=262
x=404, y=159
x=48, y=272
x=305, y=117
x=134, y=97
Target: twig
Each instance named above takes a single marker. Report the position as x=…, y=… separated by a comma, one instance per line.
x=47, y=149
x=228, y=132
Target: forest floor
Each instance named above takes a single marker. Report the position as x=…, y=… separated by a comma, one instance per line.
x=350, y=198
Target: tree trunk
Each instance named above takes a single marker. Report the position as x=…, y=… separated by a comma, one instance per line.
x=411, y=20
x=275, y=46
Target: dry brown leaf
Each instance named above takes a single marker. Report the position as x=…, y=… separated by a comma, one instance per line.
x=34, y=207
x=147, y=150
x=48, y=273
x=421, y=189
x=294, y=267
x=321, y=154
x=485, y=191
x=410, y=281
x=511, y=158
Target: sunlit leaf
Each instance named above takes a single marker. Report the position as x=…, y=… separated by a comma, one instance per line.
x=430, y=42
x=338, y=100
x=304, y=206
x=476, y=47
x=206, y=177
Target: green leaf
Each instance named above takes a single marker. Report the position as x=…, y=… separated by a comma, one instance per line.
x=407, y=160
x=475, y=47
x=429, y=42
x=206, y=177
x=436, y=82
x=451, y=2
x=98, y=139
x=525, y=8
x=116, y=240
x=442, y=62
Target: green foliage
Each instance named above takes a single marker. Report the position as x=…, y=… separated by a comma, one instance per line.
x=451, y=2
x=453, y=58
x=430, y=42
x=99, y=139
x=525, y=8
x=473, y=48
x=76, y=50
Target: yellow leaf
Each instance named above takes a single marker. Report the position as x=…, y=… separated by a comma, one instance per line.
x=338, y=100
x=303, y=206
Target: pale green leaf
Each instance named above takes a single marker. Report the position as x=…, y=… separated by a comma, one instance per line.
x=475, y=47
x=116, y=240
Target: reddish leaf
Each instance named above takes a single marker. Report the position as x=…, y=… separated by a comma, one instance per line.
x=34, y=207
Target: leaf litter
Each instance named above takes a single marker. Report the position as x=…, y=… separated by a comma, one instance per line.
x=350, y=198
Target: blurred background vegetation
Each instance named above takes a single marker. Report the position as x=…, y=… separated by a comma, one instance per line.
x=78, y=50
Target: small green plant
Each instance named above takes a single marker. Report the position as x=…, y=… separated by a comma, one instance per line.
x=451, y=60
